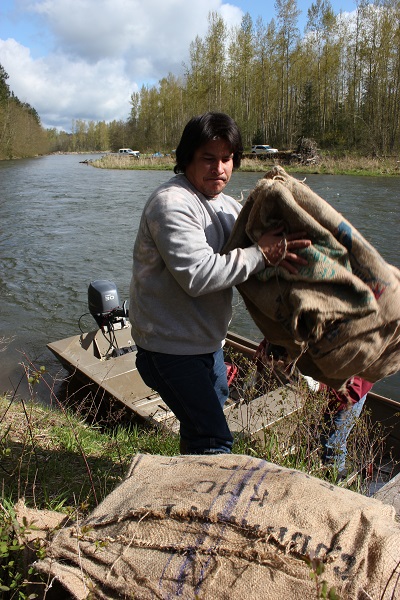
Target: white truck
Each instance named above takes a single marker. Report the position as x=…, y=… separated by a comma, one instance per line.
x=263, y=149
x=129, y=152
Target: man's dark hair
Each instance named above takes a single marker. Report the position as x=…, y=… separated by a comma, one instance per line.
x=200, y=130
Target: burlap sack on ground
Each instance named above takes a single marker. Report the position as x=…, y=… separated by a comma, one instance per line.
x=340, y=315
x=224, y=527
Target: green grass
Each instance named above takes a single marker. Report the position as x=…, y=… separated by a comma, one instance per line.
x=51, y=456
x=137, y=164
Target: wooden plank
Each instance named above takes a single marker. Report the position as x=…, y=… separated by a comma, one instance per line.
x=126, y=386
x=263, y=412
x=154, y=411
x=390, y=494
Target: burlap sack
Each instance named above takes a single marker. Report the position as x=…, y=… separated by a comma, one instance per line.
x=225, y=527
x=340, y=315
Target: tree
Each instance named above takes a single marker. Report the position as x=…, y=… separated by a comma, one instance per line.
x=265, y=83
x=288, y=41
x=171, y=105
x=321, y=59
x=379, y=56
x=4, y=89
x=241, y=78
x=215, y=61
x=102, y=139
x=196, y=78
x=117, y=134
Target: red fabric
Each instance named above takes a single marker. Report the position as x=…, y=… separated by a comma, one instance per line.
x=231, y=372
x=356, y=388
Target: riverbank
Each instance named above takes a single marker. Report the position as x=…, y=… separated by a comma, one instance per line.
x=68, y=456
x=325, y=165
x=64, y=462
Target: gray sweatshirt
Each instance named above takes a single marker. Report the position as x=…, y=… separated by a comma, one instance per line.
x=181, y=287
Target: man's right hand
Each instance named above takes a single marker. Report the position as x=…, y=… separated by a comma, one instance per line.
x=278, y=248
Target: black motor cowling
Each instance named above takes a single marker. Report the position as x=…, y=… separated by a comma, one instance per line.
x=104, y=304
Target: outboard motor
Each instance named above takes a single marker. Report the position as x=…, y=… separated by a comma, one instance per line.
x=104, y=304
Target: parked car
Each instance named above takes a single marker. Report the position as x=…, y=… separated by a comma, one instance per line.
x=134, y=153
x=263, y=149
x=157, y=155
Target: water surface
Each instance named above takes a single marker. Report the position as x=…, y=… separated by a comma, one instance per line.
x=65, y=224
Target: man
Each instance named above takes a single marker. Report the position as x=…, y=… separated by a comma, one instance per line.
x=181, y=288
x=343, y=407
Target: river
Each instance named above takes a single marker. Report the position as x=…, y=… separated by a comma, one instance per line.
x=65, y=224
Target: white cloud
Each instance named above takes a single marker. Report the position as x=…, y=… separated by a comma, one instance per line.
x=152, y=29
x=100, y=52
x=62, y=90
x=232, y=15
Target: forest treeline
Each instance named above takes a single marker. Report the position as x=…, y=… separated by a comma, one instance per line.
x=337, y=82
x=21, y=132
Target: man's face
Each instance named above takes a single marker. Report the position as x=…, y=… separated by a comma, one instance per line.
x=211, y=167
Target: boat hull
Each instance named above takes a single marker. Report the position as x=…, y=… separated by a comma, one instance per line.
x=91, y=358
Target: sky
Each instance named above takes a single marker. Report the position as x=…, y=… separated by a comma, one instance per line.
x=82, y=59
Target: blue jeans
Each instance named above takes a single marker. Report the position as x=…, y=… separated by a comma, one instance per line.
x=195, y=388
x=334, y=441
